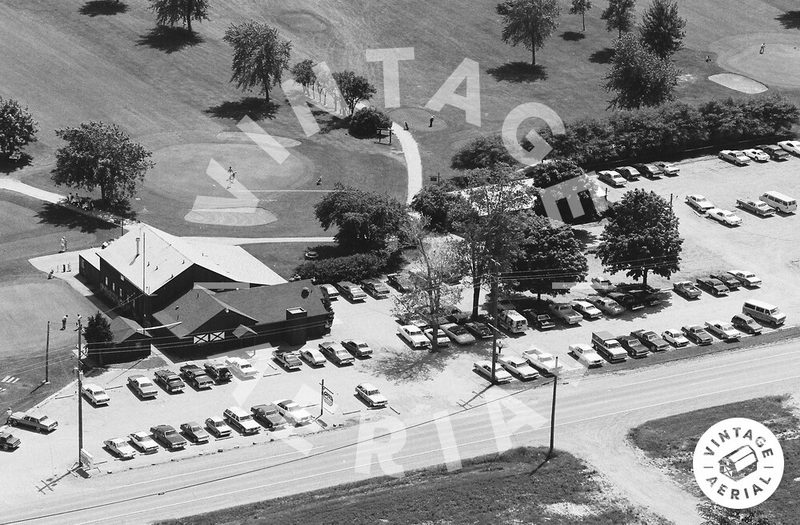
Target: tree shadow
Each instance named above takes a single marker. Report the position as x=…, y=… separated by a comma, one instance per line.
x=572, y=36
x=56, y=215
x=518, y=72
x=169, y=39
x=254, y=107
x=103, y=8
x=602, y=56
x=329, y=122
x=408, y=365
x=789, y=19
x=9, y=165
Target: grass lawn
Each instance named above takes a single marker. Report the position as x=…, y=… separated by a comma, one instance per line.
x=515, y=487
x=283, y=258
x=670, y=442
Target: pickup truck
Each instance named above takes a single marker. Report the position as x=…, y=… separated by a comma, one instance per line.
x=607, y=346
x=9, y=441
x=288, y=360
x=218, y=372
x=37, y=423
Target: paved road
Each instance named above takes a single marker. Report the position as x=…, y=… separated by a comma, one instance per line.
x=593, y=418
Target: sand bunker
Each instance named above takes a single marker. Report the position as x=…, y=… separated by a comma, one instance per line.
x=739, y=83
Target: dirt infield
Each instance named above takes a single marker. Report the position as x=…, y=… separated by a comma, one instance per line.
x=776, y=67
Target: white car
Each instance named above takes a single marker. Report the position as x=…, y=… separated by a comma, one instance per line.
x=120, y=447
x=723, y=330
x=606, y=304
x=725, y=217
x=586, y=308
x=441, y=337
x=458, y=333
x=668, y=169
x=792, y=146
x=756, y=154
x=746, y=277
x=586, y=355
x=371, y=395
x=542, y=361
x=241, y=366
x=293, y=412
x=95, y=394
x=313, y=357
x=413, y=336
x=518, y=366
x=699, y=203
x=484, y=368
x=675, y=338
x=144, y=442
x=612, y=178
x=218, y=427
x=735, y=157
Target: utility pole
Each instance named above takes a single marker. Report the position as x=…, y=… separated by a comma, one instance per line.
x=80, y=397
x=553, y=412
x=495, y=278
x=321, y=398
x=47, y=357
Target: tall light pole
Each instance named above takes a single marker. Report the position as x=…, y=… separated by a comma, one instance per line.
x=553, y=412
x=495, y=278
x=80, y=397
x=47, y=357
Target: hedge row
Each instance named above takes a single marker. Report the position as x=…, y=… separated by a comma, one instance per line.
x=354, y=268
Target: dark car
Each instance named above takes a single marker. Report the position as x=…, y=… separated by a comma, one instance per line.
x=196, y=376
x=650, y=339
x=456, y=315
x=713, y=286
x=195, y=432
x=479, y=330
x=633, y=346
x=774, y=152
x=651, y=171
x=402, y=283
x=218, y=372
x=697, y=334
x=629, y=301
x=169, y=381
x=686, y=289
x=540, y=320
x=9, y=441
x=375, y=288
x=168, y=437
x=745, y=323
x=336, y=353
x=357, y=348
x=727, y=279
x=268, y=416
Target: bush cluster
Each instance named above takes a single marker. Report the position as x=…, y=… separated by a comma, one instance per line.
x=365, y=122
x=354, y=268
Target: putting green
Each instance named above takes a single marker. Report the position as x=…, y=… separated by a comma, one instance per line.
x=777, y=66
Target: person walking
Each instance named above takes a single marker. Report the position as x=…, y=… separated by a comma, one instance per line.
x=763, y=47
x=64, y=322
x=430, y=122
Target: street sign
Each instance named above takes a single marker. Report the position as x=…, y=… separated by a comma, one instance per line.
x=327, y=397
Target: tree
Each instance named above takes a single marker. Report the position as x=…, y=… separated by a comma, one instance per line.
x=549, y=259
x=97, y=330
x=439, y=206
x=303, y=73
x=529, y=22
x=641, y=236
x=482, y=152
x=580, y=7
x=639, y=77
x=366, y=121
x=354, y=88
x=662, y=30
x=101, y=155
x=365, y=219
x=170, y=11
x=619, y=15
x=17, y=128
x=718, y=515
x=259, y=55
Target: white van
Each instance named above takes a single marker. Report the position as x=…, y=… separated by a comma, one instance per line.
x=779, y=201
x=765, y=312
x=512, y=321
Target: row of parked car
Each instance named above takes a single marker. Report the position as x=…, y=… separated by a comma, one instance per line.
x=717, y=284
x=531, y=364
x=766, y=205
x=619, y=177
x=762, y=153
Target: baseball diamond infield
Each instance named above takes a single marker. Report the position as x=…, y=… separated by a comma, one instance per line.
x=776, y=67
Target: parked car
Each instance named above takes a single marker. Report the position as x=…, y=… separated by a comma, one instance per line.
x=723, y=330
x=441, y=337
x=351, y=291
x=289, y=360
x=756, y=207
x=95, y=394
x=697, y=334
x=144, y=442
x=9, y=441
x=745, y=323
x=413, y=336
x=518, y=366
x=401, y=283
x=218, y=371
x=459, y=334
x=565, y=312
x=196, y=376
x=587, y=309
x=779, y=202
x=629, y=172
x=370, y=394
x=169, y=381
x=142, y=386
x=294, y=413
x=734, y=157
x=375, y=288
x=538, y=319
x=792, y=146
x=774, y=152
x=699, y=203
x=120, y=447
x=602, y=285
x=241, y=420
x=313, y=357
x=633, y=346
x=268, y=415
x=545, y=362
x=241, y=366
x=756, y=155
x=626, y=300
x=194, y=432
x=218, y=428
x=670, y=170
x=168, y=437
x=612, y=178
x=686, y=289
x=713, y=286
x=35, y=422
x=651, y=171
x=456, y=315
x=606, y=304
x=607, y=346
x=746, y=278
x=357, y=347
x=336, y=353
x=727, y=279
x=329, y=291
x=675, y=338
x=479, y=330
x=651, y=340
x=728, y=218
x=586, y=355
x=484, y=368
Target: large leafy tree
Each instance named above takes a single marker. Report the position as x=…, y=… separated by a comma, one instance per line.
x=171, y=11
x=641, y=236
x=579, y=7
x=439, y=205
x=639, y=77
x=662, y=28
x=17, y=128
x=259, y=55
x=101, y=155
x=550, y=258
x=366, y=220
x=303, y=73
x=529, y=22
x=97, y=330
x=353, y=88
x=619, y=15
x=482, y=152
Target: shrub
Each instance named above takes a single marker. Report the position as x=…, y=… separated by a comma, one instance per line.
x=366, y=121
x=482, y=152
x=353, y=268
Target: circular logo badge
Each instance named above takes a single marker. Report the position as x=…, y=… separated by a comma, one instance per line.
x=738, y=463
